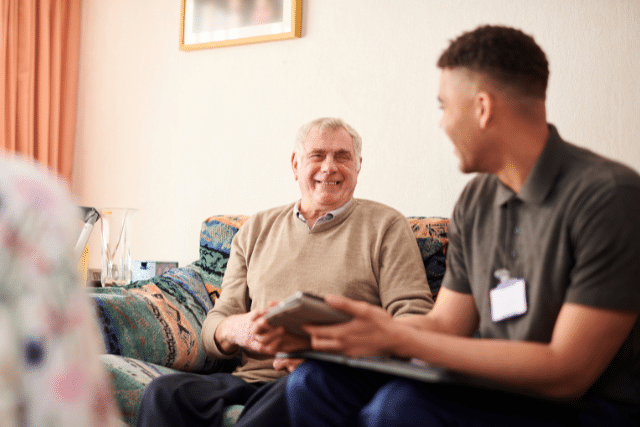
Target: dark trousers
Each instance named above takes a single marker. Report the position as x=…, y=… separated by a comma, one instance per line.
x=200, y=400
x=324, y=394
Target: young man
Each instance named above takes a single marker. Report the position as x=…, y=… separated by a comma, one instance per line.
x=327, y=242
x=542, y=261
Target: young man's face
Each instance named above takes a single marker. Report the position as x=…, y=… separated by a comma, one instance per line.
x=326, y=170
x=456, y=95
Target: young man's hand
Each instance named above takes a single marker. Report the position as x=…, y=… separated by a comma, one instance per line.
x=367, y=333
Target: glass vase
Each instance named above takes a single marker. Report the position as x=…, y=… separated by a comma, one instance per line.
x=116, y=226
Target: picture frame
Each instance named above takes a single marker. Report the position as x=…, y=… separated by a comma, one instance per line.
x=219, y=23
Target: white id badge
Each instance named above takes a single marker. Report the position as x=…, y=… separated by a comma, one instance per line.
x=508, y=300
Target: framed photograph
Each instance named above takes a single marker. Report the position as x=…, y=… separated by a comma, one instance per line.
x=218, y=23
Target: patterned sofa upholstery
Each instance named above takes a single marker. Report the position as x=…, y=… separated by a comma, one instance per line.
x=152, y=327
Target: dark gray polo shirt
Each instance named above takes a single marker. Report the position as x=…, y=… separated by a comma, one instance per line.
x=572, y=233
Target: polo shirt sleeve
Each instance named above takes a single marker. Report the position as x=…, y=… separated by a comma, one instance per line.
x=606, y=236
x=456, y=277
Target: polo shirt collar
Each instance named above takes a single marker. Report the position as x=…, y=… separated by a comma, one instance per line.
x=540, y=181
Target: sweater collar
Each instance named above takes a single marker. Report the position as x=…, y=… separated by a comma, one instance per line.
x=339, y=218
x=323, y=219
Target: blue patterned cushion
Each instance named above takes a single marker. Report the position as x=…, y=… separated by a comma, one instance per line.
x=157, y=320
x=130, y=377
x=216, y=235
x=431, y=236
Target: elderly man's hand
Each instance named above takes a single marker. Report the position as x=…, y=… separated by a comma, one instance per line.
x=251, y=331
x=235, y=332
x=270, y=339
x=281, y=364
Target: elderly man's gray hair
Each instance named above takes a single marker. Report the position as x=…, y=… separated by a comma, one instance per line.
x=328, y=123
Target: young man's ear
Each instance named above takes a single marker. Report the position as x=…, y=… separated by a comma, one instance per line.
x=484, y=108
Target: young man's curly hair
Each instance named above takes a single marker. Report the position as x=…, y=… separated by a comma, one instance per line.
x=506, y=55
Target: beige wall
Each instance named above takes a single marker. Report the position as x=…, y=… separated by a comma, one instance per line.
x=185, y=135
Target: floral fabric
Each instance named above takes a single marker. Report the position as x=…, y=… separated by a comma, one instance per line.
x=50, y=373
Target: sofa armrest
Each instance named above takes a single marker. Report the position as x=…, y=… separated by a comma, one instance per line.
x=158, y=320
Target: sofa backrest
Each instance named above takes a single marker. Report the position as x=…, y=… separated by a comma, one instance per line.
x=217, y=232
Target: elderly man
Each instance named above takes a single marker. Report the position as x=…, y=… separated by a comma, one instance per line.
x=543, y=257
x=327, y=242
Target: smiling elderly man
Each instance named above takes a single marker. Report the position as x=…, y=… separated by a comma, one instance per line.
x=327, y=242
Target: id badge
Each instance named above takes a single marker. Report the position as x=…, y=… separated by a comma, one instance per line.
x=508, y=299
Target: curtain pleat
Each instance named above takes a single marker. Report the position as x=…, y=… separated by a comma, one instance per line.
x=40, y=51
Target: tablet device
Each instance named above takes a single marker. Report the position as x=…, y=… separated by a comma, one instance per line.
x=413, y=369
x=405, y=368
x=301, y=309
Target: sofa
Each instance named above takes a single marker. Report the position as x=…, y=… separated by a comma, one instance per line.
x=152, y=327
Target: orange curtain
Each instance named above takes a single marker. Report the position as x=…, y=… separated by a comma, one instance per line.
x=39, y=47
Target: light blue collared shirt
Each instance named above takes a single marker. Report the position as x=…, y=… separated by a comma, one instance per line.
x=326, y=218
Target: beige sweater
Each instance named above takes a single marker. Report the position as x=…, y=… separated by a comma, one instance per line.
x=368, y=253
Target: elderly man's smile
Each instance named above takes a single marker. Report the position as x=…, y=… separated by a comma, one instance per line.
x=327, y=171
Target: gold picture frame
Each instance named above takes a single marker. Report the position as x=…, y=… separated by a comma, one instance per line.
x=218, y=23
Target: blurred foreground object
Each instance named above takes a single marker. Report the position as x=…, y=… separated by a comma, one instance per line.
x=50, y=374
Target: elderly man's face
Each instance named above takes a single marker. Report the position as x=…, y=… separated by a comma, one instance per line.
x=326, y=170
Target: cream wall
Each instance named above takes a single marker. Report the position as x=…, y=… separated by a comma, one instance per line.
x=185, y=135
